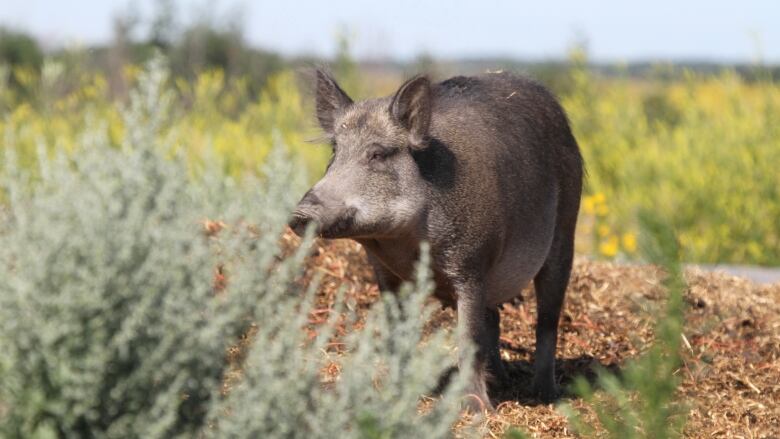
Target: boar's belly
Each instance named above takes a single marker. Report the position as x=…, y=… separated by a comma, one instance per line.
x=516, y=267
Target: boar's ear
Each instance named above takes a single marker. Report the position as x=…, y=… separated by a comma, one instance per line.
x=411, y=107
x=330, y=99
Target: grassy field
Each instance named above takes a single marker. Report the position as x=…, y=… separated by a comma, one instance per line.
x=701, y=151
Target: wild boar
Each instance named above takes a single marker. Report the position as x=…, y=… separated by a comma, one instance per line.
x=486, y=170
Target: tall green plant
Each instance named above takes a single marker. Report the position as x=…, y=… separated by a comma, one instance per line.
x=641, y=403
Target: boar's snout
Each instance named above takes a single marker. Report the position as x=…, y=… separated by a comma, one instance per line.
x=304, y=213
x=333, y=218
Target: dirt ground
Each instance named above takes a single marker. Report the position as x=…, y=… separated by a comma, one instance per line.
x=731, y=342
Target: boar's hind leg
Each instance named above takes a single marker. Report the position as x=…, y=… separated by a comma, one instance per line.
x=550, y=285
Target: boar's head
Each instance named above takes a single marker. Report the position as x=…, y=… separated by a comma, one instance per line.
x=372, y=187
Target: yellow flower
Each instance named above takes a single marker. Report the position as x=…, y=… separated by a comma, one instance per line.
x=609, y=248
x=131, y=72
x=599, y=198
x=602, y=230
x=588, y=205
x=602, y=210
x=629, y=242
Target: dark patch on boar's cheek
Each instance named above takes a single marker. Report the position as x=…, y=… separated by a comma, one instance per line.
x=436, y=163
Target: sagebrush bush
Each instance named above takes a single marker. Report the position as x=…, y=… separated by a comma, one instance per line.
x=376, y=395
x=111, y=325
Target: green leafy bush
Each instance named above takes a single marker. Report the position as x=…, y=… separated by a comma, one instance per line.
x=695, y=151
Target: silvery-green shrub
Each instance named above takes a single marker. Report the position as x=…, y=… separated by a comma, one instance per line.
x=110, y=325
x=389, y=365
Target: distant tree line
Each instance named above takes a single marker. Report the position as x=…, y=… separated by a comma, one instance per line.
x=207, y=43
x=219, y=43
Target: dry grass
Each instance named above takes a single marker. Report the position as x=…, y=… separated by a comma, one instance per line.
x=731, y=371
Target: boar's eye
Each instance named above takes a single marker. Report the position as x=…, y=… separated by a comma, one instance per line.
x=378, y=153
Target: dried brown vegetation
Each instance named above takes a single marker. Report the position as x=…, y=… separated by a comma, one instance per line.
x=730, y=378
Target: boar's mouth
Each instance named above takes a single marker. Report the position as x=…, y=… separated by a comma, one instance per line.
x=299, y=222
x=341, y=226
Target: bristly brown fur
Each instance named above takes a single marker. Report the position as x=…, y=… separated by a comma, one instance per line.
x=486, y=170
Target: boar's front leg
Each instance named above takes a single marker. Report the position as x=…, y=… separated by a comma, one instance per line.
x=496, y=374
x=386, y=280
x=480, y=326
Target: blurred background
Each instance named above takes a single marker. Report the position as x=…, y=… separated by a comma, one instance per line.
x=676, y=106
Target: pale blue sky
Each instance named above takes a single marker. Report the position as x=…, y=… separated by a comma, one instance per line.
x=616, y=30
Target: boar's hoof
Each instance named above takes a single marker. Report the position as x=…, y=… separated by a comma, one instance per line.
x=476, y=404
x=547, y=393
x=476, y=399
